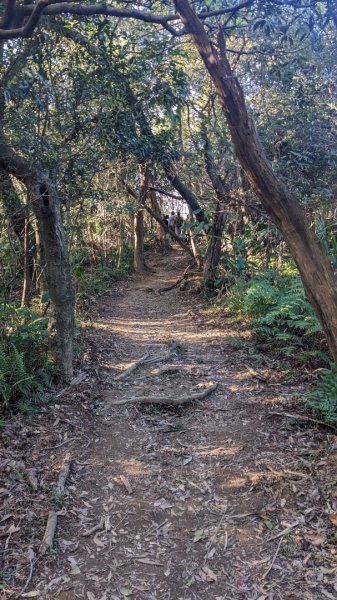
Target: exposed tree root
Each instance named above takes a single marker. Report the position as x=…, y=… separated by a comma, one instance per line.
x=304, y=418
x=132, y=367
x=185, y=276
x=163, y=400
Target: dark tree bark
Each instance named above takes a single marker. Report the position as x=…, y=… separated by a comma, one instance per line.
x=45, y=203
x=185, y=192
x=213, y=252
x=138, y=256
x=162, y=237
x=314, y=267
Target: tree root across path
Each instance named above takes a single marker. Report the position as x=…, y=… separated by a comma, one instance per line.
x=163, y=400
x=187, y=273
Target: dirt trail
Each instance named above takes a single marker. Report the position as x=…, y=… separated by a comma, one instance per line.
x=214, y=500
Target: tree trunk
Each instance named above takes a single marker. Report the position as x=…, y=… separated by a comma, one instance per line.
x=162, y=236
x=314, y=267
x=26, y=289
x=185, y=192
x=213, y=251
x=138, y=256
x=45, y=203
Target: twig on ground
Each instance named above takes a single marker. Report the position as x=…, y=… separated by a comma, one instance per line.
x=132, y=367
x=48, y=538
x=31, y=567
x=304, y=418
x=93, y=529
x=70, y=441
x=170, y=401
x=274, y=558
x=284, y=532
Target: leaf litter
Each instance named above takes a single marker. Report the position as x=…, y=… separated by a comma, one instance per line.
x=213, y=499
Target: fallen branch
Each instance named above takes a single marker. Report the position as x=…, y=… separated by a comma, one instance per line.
x=132, y=367
x=49, y=534
x=303, y=418
x=170, y=401
x=63, y=476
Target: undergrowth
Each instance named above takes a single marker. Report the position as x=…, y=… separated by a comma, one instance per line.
x=324, y=398
x=283, y=322
x=26, y=370
x=280, y=316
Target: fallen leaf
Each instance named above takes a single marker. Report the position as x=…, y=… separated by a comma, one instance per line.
x=149, y=561
x=206, y=574
x=199, y=535
x=315, y=538
x=75, y=570
x=33, y=594
x=125, y=591
x=333, y=519
x=268, y=524
x=126, y=483
x=98, y=541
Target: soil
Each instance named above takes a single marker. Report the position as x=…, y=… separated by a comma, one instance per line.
x=215, y=499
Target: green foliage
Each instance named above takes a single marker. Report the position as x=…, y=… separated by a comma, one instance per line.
x=324, y=397
x=280, y=314
x=25, y=368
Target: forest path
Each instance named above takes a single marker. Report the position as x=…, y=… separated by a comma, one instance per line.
x=191, y=503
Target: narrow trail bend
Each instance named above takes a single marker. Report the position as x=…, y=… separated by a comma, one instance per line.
x=212, y=500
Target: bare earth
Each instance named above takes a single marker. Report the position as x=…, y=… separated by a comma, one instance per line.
x=217, y=499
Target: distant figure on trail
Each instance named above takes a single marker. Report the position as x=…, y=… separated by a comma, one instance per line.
x=171, y=220
x=166, y=220
x=178, y=224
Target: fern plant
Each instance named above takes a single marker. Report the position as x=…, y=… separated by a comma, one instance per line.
x=25, y=367
x=280, y=315
x=324, y=397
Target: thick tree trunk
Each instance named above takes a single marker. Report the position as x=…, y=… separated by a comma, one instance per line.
x=314, y=267
x=138, y=256
x=162, y=236
x=213, y=252
x=46, y=206
x=185, y=192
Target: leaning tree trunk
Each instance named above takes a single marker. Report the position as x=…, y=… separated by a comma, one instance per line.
x=313, y=264
x=162, y=236
x=213, y=251
x=46, y=206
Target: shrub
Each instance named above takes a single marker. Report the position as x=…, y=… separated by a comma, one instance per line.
x=26, y=370
x=324, y=397
x=280, y=314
